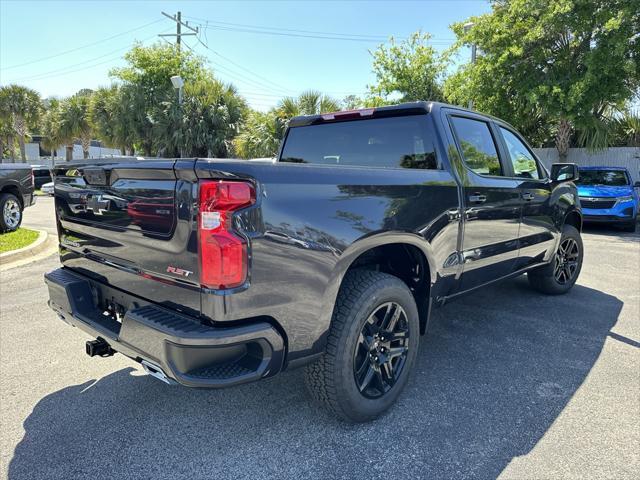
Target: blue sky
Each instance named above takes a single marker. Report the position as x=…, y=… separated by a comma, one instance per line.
x=59, y=47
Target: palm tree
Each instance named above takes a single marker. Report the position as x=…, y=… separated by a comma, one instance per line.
x=263, y=132
x=260, y=135
x=205, y=124
x=50, y=126
x=7, y=137
x=21, y=107
x=310, y=102
x=75, y=124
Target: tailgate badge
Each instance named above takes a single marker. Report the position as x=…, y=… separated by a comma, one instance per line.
x=179, y=271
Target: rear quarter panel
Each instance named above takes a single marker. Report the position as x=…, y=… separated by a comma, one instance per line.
x=311, y=222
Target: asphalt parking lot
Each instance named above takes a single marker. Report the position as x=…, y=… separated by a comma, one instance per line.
x=509, y=384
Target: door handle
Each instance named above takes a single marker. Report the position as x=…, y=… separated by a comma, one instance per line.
x=477, y=198
x=527, y=196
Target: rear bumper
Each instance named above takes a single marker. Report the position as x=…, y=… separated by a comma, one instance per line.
x=180, y=346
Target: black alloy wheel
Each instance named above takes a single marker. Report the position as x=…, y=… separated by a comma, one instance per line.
x=381, y=352
x=566, y=262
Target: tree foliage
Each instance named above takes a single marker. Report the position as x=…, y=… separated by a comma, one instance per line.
x=560, y=61
x=207, y=122
x=50, y=126
x=75, y=122
x=263, y=132
x=20, y=110
x=410, y=70
x=260, y=136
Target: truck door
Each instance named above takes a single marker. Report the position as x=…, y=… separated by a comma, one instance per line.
x=491, y=201
x=538, y=231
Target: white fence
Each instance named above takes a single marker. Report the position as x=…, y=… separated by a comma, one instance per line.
x=628, y=157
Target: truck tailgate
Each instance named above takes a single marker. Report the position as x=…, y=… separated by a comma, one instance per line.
x=131, y=225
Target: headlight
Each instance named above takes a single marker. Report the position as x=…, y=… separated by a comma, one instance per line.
x=628, y=198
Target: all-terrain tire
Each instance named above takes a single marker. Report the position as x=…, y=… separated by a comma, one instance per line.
x=546, y=279
x=331, y=380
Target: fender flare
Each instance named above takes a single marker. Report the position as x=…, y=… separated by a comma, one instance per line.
x=354, y=251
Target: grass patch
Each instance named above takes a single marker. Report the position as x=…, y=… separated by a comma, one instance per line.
x=18, y=239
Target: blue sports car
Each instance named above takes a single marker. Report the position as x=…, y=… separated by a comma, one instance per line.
x=608, y=195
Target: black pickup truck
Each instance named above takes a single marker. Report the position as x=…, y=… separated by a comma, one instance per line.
x=213, y=272
x=16, y=193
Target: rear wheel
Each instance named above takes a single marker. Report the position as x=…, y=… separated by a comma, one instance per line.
x=371, y=349
x=10, y=212
x=561, y=274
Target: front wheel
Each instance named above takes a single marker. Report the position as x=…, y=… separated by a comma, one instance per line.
x=561, y=274
x=10, y=213
x=371, y=348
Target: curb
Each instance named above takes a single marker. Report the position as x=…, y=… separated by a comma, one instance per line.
x=44, y=242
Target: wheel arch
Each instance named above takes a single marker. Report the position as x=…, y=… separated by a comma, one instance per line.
x=396, y=253
x=14, y=190
x=574, y=218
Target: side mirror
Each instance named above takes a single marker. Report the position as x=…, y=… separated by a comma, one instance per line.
x=564, y=172
x=636, y=185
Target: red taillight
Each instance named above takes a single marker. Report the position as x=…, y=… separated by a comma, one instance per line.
x=223, y=254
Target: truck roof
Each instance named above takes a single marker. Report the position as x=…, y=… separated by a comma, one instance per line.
x=409, y=108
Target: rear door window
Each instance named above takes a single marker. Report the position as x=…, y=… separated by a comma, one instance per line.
x=478, y=147
x=395, y=142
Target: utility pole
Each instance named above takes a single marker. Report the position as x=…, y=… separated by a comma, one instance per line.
x=179, y=24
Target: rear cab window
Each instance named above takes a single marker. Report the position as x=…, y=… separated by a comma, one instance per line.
x=390, y=142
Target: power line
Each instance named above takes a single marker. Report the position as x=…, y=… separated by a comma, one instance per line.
x=81, y=47
x=279, y=87
x=65, y=70
x=367, y=37
x=257, y=83
x=317, y=37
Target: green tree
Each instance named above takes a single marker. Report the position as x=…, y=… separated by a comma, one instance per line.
x=75, y=123
x=208, y=120
x=310, y=102
x=411, y=69
x=146, y=89
x=109, y=114
x=562, y=60
x=260, y=135
x=50, y=127
x=20, y=107
x=7, y=138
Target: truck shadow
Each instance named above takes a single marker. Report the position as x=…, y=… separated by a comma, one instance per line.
x=496, y=370
x=603, y=230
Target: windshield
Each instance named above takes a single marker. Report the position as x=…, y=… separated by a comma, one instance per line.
x=613, y=178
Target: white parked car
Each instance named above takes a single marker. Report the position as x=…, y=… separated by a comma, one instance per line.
x=47, y=188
